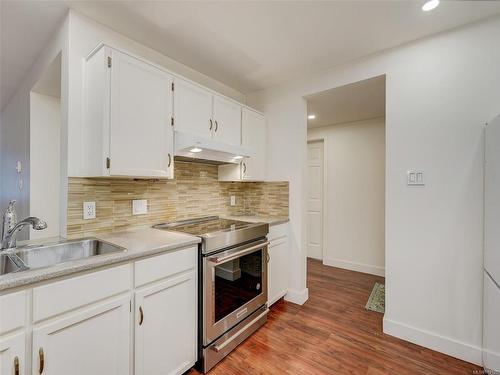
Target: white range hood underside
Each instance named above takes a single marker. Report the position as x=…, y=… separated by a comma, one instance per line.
x=214, y=151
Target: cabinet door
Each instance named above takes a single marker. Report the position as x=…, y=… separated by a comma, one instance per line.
x=254, y=137
x=94, y=340
x=13, y=355
x=227, y=116
x=166, y=326
x=277, y=269
x=141, y=135
x=193, y=109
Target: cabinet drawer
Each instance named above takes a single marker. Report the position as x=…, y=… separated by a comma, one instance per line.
x=65, y=295
x=165, y=265
x=277, y=231
x=12, y=311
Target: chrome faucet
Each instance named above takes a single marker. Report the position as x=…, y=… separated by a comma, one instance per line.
x=11, y=226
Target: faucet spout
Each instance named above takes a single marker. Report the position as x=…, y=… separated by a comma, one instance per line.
x=9, y=238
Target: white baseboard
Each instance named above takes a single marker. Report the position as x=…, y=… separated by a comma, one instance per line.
x=491, y=361
x=297, y=297
x=353, y=266
x=446, y=345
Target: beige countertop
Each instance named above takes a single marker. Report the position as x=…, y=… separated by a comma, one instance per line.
x=271, y=220
x=138, y=243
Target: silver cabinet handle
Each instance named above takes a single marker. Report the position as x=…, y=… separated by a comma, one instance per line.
x=244, y=168
x=211, y=124
x=169, y=160
x=238, y=254
x=216, y=126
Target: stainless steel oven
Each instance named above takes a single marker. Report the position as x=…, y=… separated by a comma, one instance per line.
x=235, y=286
x=232, y=269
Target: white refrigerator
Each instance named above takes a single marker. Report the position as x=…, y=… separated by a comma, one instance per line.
x=491, y=302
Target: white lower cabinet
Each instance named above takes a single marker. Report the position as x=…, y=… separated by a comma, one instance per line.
x=93, y=340
x=278, y=263
x=165, y=326
x=13, y=354
x=102, y=322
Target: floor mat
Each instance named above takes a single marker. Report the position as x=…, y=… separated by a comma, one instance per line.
x=376, y=302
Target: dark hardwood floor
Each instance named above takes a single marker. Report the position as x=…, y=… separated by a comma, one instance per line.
x=332, y=333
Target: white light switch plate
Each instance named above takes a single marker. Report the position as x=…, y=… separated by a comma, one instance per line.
x=415, y=177
x=233, y=200
x=139, y=206
x=88, y=210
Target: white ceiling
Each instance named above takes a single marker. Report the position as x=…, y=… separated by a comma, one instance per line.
x=248, y=45
x=25, y=28
x=354, y=102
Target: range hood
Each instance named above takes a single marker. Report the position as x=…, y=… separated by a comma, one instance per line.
x=198, y=149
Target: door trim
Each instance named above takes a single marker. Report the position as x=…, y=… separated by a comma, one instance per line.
x=325, y=186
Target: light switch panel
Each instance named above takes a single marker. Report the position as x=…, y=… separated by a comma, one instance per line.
x=415, y=177
x=139, y=206
x=233, y=200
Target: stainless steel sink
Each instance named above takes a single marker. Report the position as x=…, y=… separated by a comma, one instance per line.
x=9, y=263
x=48, y=255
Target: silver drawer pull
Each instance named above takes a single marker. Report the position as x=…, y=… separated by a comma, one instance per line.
x=218, y=348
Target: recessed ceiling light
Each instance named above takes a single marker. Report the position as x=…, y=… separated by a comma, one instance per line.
x=196, y=149
x=430, y=5
x=238, y=157
x=311, y=117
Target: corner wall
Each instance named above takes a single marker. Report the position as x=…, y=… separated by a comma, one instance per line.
x=440, y=92
x=354, y=200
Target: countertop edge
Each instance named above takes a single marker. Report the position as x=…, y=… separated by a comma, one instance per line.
x=88, y=264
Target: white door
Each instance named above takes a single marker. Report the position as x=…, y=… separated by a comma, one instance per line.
x=93, y=340
x=166, y=327
x=491, y=310
x=193, y=109
x=253, y=126
x=227, y=121
x=277, y=269
x=315, y=200
x=13, y=355
x=141, y=136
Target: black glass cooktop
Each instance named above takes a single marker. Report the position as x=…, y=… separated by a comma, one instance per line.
x=205, y=226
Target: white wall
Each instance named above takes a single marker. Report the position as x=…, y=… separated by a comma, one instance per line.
x=440, y=91
x=45, y=166
x=354, y=199
x=15, y=130
x=85, y=35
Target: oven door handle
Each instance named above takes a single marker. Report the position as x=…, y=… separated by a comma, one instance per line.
x=240, y=253
x=218, y=348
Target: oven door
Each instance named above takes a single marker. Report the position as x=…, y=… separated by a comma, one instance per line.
x=235, y=285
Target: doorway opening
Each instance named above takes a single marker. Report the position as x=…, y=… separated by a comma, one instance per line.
x=45, y=148
x=346, y=177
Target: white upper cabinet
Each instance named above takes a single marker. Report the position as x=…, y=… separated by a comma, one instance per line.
x=227, y=121
x=127, y=117
x=193, y=109
x=254, y=137
x=253, y=129
x=200, y=112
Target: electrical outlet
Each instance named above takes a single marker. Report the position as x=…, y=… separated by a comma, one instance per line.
x=88, y=210
x=139, y=206
x=233, y=200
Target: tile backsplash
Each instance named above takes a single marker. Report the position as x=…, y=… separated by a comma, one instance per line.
x=194, y=192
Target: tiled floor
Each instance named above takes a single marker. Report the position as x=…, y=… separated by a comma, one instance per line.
x=332, y=333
